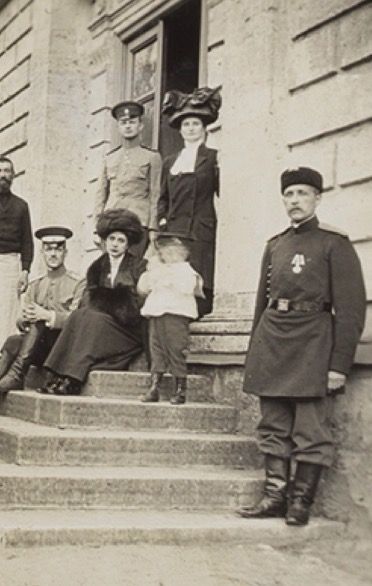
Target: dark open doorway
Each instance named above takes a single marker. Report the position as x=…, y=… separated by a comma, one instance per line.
x=180, y=62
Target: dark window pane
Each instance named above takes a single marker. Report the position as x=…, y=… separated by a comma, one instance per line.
x=144, y=70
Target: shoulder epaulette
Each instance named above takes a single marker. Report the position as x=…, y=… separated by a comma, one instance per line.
x=144, y=146
x=38, y=278
x=279, y=234
x=328, y=228
x=73, y=275
x=112, y=151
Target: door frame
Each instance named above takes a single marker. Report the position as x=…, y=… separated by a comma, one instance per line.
x=130, y=48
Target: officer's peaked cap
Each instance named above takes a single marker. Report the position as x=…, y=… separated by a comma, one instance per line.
x=301, y=176
x=53, y=234
x=120, y=220
x=127, y=109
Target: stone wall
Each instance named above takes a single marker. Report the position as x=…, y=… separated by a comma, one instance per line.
x=297, y=83
x=16, y=42
x=43, y=110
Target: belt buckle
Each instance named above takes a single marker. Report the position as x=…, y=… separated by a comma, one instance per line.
x=283, y=305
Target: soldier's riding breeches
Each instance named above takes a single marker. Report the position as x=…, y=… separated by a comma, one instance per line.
x=297, y=428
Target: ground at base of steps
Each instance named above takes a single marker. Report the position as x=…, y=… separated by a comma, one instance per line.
x=327, y=563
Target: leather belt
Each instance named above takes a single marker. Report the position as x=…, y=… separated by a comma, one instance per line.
x=284, y=305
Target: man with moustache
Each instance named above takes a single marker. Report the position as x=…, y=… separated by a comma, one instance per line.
x=309, y=316
x=16, y=248
x=47, y=304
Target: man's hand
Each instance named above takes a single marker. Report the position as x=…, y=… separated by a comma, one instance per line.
x=336, y=383
x=152, y=235
x=22, y=282
x=34, y=312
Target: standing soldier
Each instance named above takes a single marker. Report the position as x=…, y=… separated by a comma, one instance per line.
x=130, y=177
x=16, y=249
x=309, y=316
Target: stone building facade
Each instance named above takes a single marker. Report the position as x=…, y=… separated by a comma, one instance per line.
x=296, y=79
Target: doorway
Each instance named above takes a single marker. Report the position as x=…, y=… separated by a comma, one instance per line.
x=180, y=63
x=163, y=58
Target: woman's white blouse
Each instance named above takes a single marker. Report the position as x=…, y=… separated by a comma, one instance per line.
x=185, y=162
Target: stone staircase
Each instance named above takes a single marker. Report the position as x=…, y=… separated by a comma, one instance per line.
x=104, y=468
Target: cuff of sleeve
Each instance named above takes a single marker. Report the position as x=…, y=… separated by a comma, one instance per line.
x=341, y=363
x=51, y=321
x=26, y=266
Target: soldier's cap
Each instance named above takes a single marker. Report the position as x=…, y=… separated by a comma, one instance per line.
x=53, y=234
x=127, y=110
x=120, y=220
x=301, y=176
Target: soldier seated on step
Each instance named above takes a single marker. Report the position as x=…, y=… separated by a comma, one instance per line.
x=46, y=306
x=171, y=286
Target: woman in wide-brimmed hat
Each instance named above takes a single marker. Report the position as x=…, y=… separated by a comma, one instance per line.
x=190, y=182
x=106, y=332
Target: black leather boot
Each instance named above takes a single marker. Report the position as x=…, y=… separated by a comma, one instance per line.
x=68, y=386
x=273, y=502
x=179, y=391
x=53, y=381
x=152, y=395
x=14, y=378
x=305, y=484
x=6, y=360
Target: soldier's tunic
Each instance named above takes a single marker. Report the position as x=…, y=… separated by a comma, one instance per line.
x=130, y=179
x=309, y=316
x=59, y=291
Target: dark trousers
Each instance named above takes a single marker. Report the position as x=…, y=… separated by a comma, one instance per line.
x=139, y=249
x=44, y=345
x=297, y=428
x=169, y=340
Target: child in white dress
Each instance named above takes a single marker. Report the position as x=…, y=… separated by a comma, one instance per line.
x=171, y=286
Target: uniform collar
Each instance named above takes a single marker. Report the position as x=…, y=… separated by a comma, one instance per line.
x=306, y=226
x=57, y=272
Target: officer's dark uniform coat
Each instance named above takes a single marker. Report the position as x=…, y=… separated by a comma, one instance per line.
x=316, y=270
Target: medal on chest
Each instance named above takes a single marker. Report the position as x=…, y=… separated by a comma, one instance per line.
x=298, y=262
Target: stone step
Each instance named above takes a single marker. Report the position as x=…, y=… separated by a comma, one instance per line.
x=122, y=385
x=99, y=528
x=205, y=343
x=221, y=326
x=93, y=412
x=126, y=488
x=30, y=444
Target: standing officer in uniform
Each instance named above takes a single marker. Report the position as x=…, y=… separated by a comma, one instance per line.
x=46, y=306
x=309, y=316
x=130, y=177
x=16, y=248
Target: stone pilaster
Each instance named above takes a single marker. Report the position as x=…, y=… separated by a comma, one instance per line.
x=251, y=148
x=57, y=125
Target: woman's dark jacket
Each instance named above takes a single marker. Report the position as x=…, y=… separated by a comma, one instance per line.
x=121, y=300
x=189, y=208
x=187, y=203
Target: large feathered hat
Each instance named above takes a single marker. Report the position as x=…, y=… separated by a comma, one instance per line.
x=120, y=220
x=203, y=102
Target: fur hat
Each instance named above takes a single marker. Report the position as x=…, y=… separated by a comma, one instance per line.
x=301, y=176
x=203, y=103
x=120, y=220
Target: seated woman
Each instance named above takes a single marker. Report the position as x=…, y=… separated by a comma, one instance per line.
x=105, y=333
